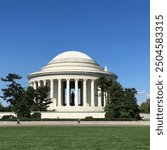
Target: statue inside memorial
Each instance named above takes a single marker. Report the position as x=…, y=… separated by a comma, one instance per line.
x=72, y=99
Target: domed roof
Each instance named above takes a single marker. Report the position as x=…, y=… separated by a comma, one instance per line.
x=71, y=56
x=72, y=62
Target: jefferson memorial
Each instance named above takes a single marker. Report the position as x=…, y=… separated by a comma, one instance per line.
x=72, y=77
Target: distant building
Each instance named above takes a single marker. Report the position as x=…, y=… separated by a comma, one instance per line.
x=72, y=79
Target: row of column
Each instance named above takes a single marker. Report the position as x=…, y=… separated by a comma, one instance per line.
x=34, y=84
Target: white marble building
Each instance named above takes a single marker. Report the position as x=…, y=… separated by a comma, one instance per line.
x=72, y=79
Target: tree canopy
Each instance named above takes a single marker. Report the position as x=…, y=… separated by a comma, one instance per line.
x=120, y=102
x=14, y=90
x=145, y=106
x=41, y=101
x=23, y=100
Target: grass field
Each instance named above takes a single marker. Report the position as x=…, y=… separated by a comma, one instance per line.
x=74, y=138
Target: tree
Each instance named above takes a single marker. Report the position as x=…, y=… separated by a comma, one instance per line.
x=23, y=101
x=4, y=108
x=19, y=98
x=130, y=107
x=14, y=90
x=145, y=106
x=120, y=102
x=41, y=101
x=1, y=107
x=104, y=83
x=114, y=99
x=24, y=104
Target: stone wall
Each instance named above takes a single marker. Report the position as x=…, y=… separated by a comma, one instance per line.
x=71, y=115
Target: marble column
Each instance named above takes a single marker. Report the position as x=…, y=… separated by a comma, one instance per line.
x=84, y=92
x=59, y=92
x=35, y=85
x=104, y=99
x=99, y=97
x=44, y=82
x=68, y=92
x=92, y=93
x=39, y=84
x=76, y=92
x=52, y=93
x=51, y=88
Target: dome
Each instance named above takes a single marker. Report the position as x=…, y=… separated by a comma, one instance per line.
x=72, y=56
x=72, y=62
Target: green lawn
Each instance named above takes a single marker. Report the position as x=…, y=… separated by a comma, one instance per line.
x=74, y=138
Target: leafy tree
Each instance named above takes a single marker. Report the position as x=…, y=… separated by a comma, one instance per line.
x=19, y=98
x=104, y=83
x=130, y=108
x=121, y=102
x=23, y=101
x=24, y=104
x=145, y=106
x=14, y=90
x=114, y=100
x=41, y=101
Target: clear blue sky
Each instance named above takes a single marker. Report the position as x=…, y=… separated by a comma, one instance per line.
x=113, y=32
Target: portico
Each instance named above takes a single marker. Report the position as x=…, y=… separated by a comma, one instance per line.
x=72, y=78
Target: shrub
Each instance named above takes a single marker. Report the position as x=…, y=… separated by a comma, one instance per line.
x=88, y=117
x=30, y=119
x=8, y=117
x=139, y=117
x=36, y=115
x=109, y=114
